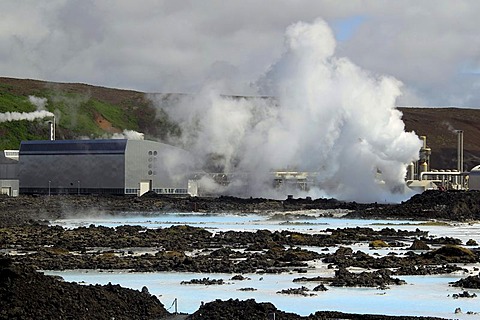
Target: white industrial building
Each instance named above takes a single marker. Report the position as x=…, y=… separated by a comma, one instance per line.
x=9, y=184
x=114, y=166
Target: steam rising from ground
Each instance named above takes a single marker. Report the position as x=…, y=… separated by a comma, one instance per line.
x=38, y=102
x=329, y=117
x=129, y=135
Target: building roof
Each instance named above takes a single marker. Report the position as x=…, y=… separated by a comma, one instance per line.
x=6, y=160
x=45, y=147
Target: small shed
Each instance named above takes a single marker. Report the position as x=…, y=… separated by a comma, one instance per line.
x=421, y=185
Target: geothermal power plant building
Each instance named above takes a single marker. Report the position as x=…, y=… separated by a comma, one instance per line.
x=114, y=166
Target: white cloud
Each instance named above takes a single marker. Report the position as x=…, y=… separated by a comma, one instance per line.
x=176, y=46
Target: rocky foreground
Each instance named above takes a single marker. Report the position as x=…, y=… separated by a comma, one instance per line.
x=28, y=243
x=27, y=294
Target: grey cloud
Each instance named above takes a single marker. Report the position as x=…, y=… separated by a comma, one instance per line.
x=177, y=46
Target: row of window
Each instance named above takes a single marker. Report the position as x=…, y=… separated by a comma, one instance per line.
x=170, y=191
x=71, y=191
x=133, y=191
x=159, y=191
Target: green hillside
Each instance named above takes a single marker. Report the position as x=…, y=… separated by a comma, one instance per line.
x=80, y=110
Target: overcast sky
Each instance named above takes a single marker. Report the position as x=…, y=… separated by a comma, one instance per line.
x=432, y=47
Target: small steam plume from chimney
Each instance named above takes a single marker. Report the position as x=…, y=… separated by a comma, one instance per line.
x=40, y=113
x=29, y=116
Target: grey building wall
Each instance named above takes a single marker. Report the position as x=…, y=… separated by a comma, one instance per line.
x=9, y=183
x=164, y=166
x=72, y=166
x=8, y=167
x=102, y=166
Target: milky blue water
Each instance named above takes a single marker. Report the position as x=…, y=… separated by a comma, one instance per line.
x=421, y=296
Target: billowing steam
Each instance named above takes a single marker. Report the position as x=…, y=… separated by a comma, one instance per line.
x=329, y=117
x=40, y=113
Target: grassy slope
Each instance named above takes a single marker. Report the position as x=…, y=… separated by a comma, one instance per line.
x=78, y=108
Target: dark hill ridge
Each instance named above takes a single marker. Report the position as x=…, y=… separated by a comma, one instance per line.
x=438, y=124
x=26, y=87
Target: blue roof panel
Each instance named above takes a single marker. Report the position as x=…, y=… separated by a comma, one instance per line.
x=103, y=146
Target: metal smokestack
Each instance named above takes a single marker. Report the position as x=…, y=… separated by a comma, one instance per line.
x=52, y=129
x=424, y=162
x=460, y=150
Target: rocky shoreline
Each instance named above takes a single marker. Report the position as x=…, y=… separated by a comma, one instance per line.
x=441, y=205
x=28, y=243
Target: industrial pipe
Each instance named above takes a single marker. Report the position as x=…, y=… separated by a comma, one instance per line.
x=438, y=173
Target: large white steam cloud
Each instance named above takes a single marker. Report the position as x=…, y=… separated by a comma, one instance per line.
x=40, y=113
x=329, y=117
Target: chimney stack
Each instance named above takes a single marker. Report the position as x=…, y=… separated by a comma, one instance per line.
x=460, y=150
x=52, y=129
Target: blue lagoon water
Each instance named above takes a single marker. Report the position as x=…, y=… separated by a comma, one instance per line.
x=421, y=296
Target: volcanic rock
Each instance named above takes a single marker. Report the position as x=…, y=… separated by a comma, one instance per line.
x=205, y=281
x=380, y=278
x=471, y=242
x=249, y=309
x=27, y=294
x=302, y=291
x=464, y=294
x=419, y=245
x=471, y=282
